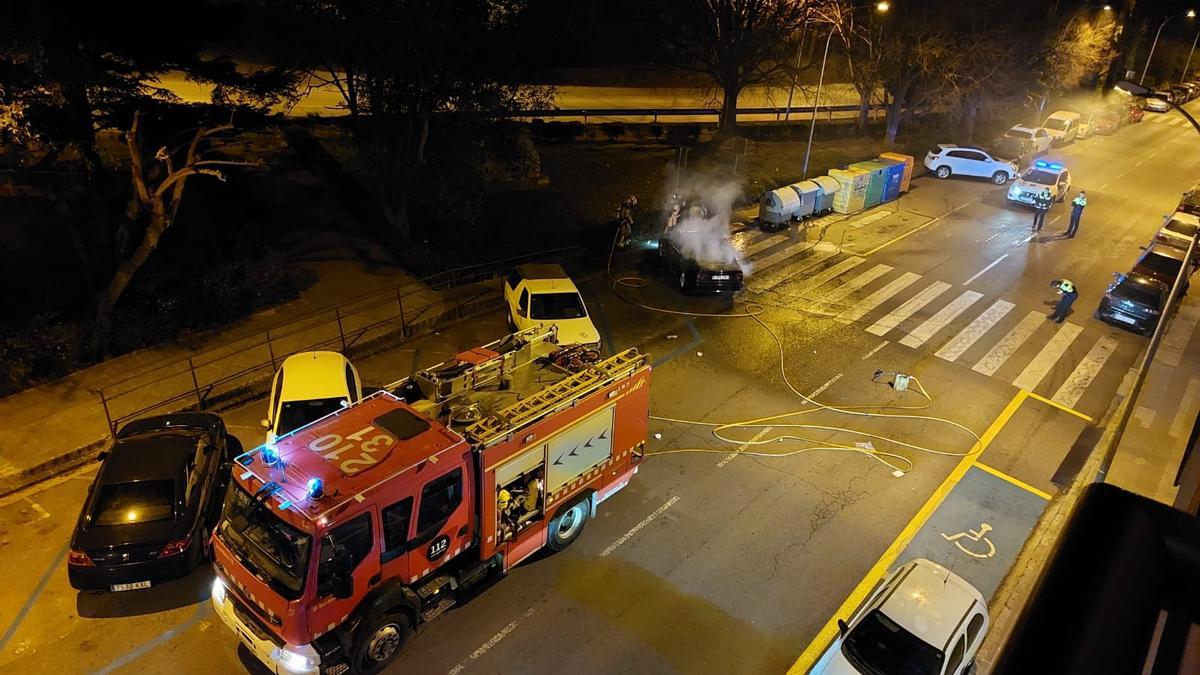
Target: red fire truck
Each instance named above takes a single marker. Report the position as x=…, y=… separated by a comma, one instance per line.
x=340, y=538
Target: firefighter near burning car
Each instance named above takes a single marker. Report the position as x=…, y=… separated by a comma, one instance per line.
x=342, y=537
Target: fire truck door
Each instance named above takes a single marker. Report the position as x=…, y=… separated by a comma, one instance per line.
x=348, y=560
x=442, y=530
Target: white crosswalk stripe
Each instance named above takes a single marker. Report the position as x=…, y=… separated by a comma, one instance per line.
x=858, y=310
x=1005, y=348
x=838, y=294
x=758, y=266
x=940, y=320
x=911, y=306
x=968, y=336
x=764, y=244
x=876, y=215
x=1077, y=382
x=1182, y=423
x=1050, y=354
x=827, y=275
x=795, y=267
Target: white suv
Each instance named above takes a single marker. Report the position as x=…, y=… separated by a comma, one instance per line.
x=923, y=619
x=947, y=160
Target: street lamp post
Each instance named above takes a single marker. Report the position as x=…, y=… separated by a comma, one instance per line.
x=1191, y=13
x=1183, y=77
x=882, y=6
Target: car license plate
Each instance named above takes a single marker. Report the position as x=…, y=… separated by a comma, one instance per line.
x=130, y=587
x=1125, y=319
x=720, y=277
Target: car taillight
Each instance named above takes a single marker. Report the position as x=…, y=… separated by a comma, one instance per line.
x=174, y=548
x=80, y=559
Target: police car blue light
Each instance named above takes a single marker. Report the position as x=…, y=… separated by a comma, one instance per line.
x=315, y=488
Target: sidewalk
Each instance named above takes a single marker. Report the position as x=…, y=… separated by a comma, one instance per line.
x=1152, y=447
x=60, y=424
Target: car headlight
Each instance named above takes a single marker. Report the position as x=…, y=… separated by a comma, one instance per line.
x=299, y=658
x=218, y=591
x=1014, y=191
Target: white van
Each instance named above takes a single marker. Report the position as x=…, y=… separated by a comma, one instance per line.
x=1063, y=126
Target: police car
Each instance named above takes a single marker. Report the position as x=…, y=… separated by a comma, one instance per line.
x=1042, y=175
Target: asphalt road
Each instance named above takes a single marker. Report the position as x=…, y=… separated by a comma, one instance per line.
x=716, y=562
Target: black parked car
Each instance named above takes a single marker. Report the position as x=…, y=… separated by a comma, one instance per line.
x=1134, y=302
x=1019, y=151
x=700, y=260
x=153, y=504
x=1163, y=263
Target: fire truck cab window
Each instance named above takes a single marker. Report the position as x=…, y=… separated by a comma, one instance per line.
x=355, y=537
x=439, y=498
x=396, y=519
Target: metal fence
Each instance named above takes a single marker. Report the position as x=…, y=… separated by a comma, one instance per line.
x=797, y=113
x=355, y=326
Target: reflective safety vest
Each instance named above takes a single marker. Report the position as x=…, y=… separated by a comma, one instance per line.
x=1080, y=202
x=1066, y=286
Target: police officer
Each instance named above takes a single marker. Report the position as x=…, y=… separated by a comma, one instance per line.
x=1077, y=206
x=1067, y=288
x=625, y=221
x=1041, y=205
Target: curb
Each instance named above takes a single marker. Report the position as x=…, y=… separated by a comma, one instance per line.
x=248, y=391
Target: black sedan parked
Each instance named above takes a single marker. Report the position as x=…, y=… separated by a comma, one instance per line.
x=1019, y=151
x=699, y=261
x=153, y=504
x=1134, y=302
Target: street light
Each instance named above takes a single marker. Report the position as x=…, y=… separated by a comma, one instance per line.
x=1108, y=8
x=1191, y=14
x=812, y=125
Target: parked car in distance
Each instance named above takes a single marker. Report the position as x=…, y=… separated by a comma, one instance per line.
x=1042, y=175
x=1136, y=113
x=1133, y=301
x=1157, y=103
x=307, y=387
x=148, y=514
x=922, y=620
x=1163, y=263
x=947, y=159
x=544, y=294
x=1019, y=151
x=1190, y=202
x=1040, y=137
x=1178, y=231
x=1107, y=121
x=1087, y=126
x=697, y=259
x=1063, y=126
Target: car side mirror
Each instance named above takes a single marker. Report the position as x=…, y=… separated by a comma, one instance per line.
x=266, y=424
x=101, y=456
x=843, y=628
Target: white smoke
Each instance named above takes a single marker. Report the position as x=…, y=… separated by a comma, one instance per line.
x=703, y=234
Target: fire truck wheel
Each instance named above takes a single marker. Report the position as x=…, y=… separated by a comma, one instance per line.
x=379, y=641
x=566, y=526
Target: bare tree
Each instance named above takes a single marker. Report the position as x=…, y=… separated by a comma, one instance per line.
x=158, y=184
x=1075, y=52
x=738, y=43
x=862, y=43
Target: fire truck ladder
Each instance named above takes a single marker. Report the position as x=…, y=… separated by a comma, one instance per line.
x=556, y=395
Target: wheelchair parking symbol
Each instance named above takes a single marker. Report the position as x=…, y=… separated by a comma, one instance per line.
x=979, y=545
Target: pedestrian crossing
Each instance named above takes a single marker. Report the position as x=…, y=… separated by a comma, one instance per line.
x=1167, y=118
x=990, y=336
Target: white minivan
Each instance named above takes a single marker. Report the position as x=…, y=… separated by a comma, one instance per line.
x=1063, y=126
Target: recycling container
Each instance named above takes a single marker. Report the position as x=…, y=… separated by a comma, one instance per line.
x=908, y=167
x=778, y=207
x=827, y=189
x=807, y=191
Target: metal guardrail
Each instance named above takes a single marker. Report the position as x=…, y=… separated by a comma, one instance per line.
x=353, y=325
x=800, y=113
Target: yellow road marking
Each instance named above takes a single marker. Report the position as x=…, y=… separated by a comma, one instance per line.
x=826, y=635
x=1015, y=481
x=1060, y=406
